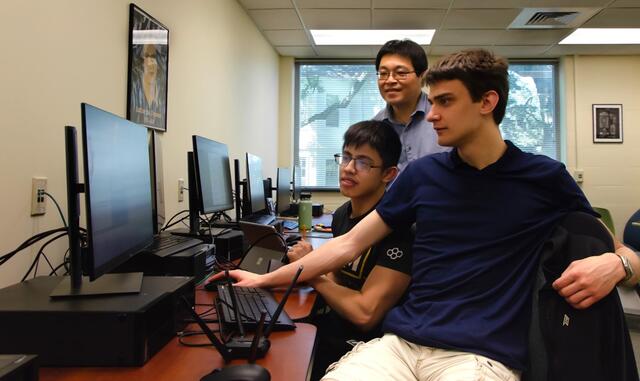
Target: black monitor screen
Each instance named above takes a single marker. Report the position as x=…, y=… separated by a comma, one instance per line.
x=256, y=185
x=213, y=175
x=283, y=193
x=117, y=187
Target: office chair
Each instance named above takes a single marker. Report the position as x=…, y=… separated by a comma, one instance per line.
x=605, y=216
x=631, y=236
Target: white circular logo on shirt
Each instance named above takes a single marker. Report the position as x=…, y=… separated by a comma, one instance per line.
x=394, y=253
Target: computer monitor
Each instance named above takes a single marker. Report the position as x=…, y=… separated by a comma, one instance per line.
x=283, y=191
x=255, y=185
x=118, y=201
x=117, y=189
x=213, y=175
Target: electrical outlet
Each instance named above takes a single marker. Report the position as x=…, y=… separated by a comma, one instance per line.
x=578, y=175
x=180, y=190
x=38, y=199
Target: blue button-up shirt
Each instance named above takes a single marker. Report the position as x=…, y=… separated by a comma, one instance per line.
x=418, y=137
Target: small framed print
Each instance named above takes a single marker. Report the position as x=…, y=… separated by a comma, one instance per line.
x=148, y=70
x=607, y=123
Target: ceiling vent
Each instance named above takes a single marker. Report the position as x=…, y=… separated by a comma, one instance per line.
x=552, y=18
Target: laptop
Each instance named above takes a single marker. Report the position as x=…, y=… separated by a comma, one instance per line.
x=268, y=248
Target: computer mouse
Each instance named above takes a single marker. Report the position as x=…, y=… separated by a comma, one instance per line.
x=292, y=238
x=213, y=285
x=245, y=372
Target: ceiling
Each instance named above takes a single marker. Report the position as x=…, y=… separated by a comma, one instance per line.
x=459, y=24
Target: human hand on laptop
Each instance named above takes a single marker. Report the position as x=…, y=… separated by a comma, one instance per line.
x=299, y=250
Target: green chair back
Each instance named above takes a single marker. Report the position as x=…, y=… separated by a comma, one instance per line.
x=606, y=218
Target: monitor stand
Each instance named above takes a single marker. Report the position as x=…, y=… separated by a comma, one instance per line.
x=108, y=284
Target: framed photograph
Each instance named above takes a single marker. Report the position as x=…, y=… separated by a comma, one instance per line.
x=607, y=123
x=148, y=70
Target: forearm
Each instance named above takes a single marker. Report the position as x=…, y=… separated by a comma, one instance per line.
x=332, y=255
x=348, y=303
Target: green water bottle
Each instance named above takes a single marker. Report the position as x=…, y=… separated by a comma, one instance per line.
x=304, y=212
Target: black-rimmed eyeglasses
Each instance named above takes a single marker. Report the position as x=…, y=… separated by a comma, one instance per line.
x=361, y=164
x=398, y=75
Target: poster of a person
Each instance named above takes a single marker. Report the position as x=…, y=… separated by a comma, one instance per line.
x=148, y=70
x=607, y=123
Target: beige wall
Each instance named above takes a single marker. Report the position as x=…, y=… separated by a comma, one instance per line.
x=611, y=171
x=223, y=84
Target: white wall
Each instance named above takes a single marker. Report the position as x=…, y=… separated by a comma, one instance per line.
x=223, y=84
x=611, y=171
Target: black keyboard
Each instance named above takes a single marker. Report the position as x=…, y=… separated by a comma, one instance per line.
x=264, y=219
x=250, y=302
x=164, y=245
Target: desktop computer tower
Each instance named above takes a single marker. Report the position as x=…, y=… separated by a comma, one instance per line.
x=189, y=262
x=117, y=330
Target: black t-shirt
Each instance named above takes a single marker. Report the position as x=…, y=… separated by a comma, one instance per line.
x=335, y=334
x=393, y=252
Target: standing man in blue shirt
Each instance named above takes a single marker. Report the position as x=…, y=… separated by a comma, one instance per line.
x=482, y=212
x=401, y=66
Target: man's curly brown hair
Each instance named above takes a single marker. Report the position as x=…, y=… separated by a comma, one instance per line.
x=480, y=71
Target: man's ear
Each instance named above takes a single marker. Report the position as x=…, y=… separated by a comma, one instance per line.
x=389, y=174
x=489, y=102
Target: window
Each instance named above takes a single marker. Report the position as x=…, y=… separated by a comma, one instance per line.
x=332, y=96
x=531, y=121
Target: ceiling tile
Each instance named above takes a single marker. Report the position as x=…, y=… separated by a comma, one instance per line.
x=615, y=18
x=287, y=37
x=440, y=50
x=625, y=4
x=265, y=4
x=566, y=3
x=480, y=18
x=336, y=18
x=560, y=50
x=275, y=19
x=407, y=19
x=520, y=51
x=467, y=36
x=319, y=4
x=296, y=51
x=532, y=36
x=475, y=4
x=412, y=4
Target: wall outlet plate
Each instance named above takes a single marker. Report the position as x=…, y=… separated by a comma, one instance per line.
x=38, y=199
x=180, y=190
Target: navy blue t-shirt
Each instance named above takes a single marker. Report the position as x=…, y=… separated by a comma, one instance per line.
x=478, y=234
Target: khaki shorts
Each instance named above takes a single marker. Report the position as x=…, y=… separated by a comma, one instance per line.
x=392, y=358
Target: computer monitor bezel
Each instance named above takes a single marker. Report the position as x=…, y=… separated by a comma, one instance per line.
x=197, y=157
x=283, y=190
x=254, y=192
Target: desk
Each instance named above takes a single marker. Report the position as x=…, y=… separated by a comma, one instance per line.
x=288, y=358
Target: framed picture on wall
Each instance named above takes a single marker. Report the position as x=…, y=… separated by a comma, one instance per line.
x=148, y=70
x=607, y=123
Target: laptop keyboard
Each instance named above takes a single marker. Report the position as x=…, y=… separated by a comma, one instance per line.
x=250, y=302
x=264, y=219
x=164, y=245
x=289, y=224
